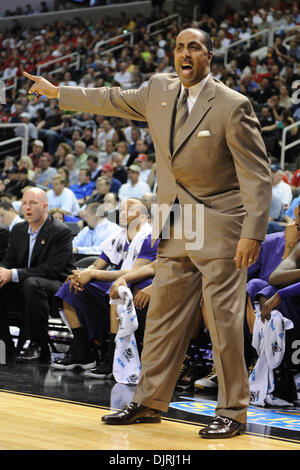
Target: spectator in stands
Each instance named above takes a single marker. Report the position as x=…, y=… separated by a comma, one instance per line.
x=37, y=262
x=94, y=167
x=123, y=77
x=133, y=187
x=9, y=164
x=80, y=154
x=68, y=80
x=60, y=155
x=112, y=200
x=89, y=240
x=108, y=171
x=8, y=215
x=122, y=148
x=32, y=130
x=276, y=109
x=37, y=152
x=44, y=174
x=70, y=163
x=85, y=186
x=26, y=162
x=268, y=129
x=281, y=189
x=144, y=171
x=61, y=197
x=119, y=171
x=88, y=136
x=262, y=94
x=23, y=182
x=284, y=99
x=13, y=180
x=104, y=133
x=84, y=296
x=102, y=188
x=50, y=130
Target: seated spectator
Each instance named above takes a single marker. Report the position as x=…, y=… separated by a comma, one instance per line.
x=89, y=240
x=32, y=130
x=144, y=171
x=37, y=152
x=60, y=155
x=37, y=262
x=61, y=197
x=123, y=77
x=12, y=181
x=85, y=186
x=268, y=129
x=9, y=164
x=94, y=167
x=104, y=157
x=104, y=133
x=102, y=188
x=112, y=200
x=8, y=215
x=80, y=154
x=83, y=296
x=284, y=99
x=276, y=109
x=26, y=162
x=108, y=171
x=70, y=164
x=67, y=80
x=44, y=173
x=88, y=136
x=281, y=189
x=119, y=171
x=23, y=182
x=133, y=187
x=122, y=149
x=277, y=221
x=50, y=130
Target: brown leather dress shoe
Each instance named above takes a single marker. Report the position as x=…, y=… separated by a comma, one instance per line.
x=133, y=413
x=222, y=428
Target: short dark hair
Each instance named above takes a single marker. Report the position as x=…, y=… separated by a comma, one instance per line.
x=207, y=39
x=7, y=206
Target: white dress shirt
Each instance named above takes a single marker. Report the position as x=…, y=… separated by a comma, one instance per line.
x=66, y=201
x=89, y=241
x=194, y=92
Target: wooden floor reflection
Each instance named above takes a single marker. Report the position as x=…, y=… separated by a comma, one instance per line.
x=30, y=422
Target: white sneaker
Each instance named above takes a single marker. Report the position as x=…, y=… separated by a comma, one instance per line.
x=209, y=382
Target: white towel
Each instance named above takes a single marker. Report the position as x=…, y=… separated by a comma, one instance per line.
x=113, y=246
x=269, y=341
x=126, y=365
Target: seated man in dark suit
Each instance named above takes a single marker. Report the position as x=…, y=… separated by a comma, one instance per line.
x=37, y=262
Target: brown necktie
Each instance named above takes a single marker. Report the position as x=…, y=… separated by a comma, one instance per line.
x=182, y=113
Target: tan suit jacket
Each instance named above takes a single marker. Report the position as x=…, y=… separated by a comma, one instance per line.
x=227, y=171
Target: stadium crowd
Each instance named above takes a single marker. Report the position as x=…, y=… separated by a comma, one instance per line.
x=94, y=168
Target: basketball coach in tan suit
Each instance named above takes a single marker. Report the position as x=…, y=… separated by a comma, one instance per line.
x=209, y=153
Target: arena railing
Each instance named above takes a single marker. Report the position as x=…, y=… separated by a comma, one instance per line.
x=75, y=63
x=100, y=44
x=284, y=146
x=24, y=140
x=269, y=32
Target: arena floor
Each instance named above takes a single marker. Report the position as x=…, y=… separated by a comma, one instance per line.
x=46, y=409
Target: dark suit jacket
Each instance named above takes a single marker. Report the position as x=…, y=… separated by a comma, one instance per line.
x=52, y=253
x=4, y=236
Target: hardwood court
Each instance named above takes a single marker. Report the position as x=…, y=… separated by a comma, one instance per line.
x=29, y=422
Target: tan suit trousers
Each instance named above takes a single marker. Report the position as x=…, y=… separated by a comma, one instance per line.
x=181, y=279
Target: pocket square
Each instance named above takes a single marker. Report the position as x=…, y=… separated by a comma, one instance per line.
x=203, y=133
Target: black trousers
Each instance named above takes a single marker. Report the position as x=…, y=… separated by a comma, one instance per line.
x=34, y=299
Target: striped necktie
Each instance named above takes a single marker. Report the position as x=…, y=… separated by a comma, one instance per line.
x=182, y=113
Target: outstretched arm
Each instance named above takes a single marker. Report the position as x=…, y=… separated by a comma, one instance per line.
x=288, y=272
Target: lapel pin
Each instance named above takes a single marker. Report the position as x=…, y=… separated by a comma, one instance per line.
x=43, y=242
x=163, y=104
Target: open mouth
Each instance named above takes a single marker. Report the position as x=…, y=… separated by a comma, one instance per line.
x=186, y=67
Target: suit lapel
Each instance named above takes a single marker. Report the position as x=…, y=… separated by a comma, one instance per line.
x=168, y=101
x=40, y=241
x=200, y=108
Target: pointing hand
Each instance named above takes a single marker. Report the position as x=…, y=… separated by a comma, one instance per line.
x=41, y=86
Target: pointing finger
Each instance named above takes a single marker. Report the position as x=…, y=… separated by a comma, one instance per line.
x=34, y=78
